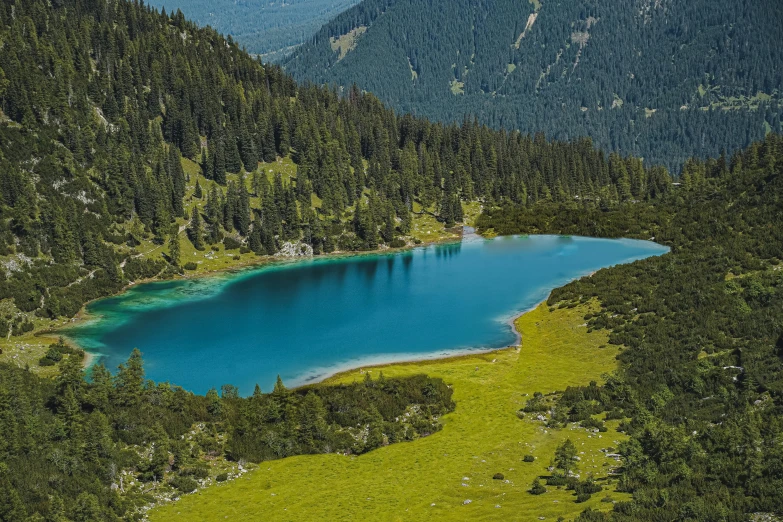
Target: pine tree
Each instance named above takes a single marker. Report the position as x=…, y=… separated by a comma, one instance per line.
x=174, y=246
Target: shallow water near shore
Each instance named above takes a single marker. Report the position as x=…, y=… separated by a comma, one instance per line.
x=309, y=319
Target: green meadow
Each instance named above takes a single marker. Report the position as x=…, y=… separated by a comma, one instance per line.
x=435, y=477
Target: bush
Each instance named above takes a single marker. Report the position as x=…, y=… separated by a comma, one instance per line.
x=397, y=243
x=537, y=488
x=190, y=265
x=556, y=480
x=529, y=458
x=222, y=477
x=237, y=258
x=44, y=361
x=417, y=241
x=582, y=497
x=184, y=484
x=244, y=250
x=498, y=476
x=231, y=243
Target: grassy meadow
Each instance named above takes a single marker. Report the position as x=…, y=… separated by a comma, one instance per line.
x=434, y=477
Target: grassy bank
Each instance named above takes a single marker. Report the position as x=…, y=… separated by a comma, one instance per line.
x=432, y=478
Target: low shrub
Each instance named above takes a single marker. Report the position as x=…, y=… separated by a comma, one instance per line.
x=231, y=243
x=498, y=476
x=190, y=265
x=184, y=484
x=222, y=477
x=529, y=458
x=397, y=243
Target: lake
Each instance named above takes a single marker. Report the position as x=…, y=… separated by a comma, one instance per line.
x=307, y=319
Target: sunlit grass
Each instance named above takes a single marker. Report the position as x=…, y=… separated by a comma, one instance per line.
x=431, y=478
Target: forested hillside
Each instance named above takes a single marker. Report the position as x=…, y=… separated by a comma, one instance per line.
x=104, y=102
x=701, y=379
x=664, y=80
x=270, y=29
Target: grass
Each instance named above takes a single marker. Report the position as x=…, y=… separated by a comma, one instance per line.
x=431, y=478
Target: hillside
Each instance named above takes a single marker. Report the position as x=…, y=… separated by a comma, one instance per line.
x=270, y=29
x=663, y=80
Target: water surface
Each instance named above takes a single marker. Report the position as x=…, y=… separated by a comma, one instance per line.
x=311, y=318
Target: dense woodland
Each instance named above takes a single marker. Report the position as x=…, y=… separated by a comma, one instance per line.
x=93, y=135
x=101, y=450
x=102, y=99
x=663, y=80
x=271, y=29
x=701, y=379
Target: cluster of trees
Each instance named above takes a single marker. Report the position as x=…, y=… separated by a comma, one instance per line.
x=701, y=379
x=69, y=448
x=664, y=80
x=103, y=101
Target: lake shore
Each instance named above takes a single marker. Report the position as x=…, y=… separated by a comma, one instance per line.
x=53, y=333
x=427, y=360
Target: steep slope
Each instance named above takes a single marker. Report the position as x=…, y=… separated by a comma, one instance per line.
x=133, y=144
x=270, y=29
x=662, y=79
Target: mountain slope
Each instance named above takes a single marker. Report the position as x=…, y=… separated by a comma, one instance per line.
x=663, y=80
x=270, y=29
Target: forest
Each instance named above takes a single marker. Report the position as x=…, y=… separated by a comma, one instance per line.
x=102, y=450
x=102, y=102
x=661, y=80
x=700, y=385
x=93, y=139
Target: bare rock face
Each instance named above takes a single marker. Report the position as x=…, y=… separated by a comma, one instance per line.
x=297, y=249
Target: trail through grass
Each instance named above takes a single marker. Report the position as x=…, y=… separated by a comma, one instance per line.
x=432, y=478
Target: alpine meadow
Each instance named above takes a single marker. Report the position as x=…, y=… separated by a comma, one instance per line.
x=461, y=260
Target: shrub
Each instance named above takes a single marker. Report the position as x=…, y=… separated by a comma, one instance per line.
x=215, y=248
x=498, y=476
x=44, y=361
x=190, y=265
x=244, y=250
x=237, y=258
x=222, y=477
x=417, y=241
x=231, y=243
x=582, y=497
x=537, y=488
x=184, y=484
x=529, y=458
x=54, y=354
x=556, y=480
x=397, y=243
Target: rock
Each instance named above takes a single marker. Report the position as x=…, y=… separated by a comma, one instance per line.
x=466, y=502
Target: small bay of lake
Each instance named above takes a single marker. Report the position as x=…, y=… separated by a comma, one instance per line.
x=307, y=319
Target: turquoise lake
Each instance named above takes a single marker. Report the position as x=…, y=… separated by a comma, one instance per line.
x=308, y=319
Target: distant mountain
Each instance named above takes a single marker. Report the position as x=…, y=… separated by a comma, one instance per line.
x=269, y=28
x=661, y=79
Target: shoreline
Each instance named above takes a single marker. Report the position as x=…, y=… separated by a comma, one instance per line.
x=83, y=316
x=436, y=359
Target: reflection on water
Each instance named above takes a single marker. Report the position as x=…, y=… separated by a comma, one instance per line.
x=303, y=320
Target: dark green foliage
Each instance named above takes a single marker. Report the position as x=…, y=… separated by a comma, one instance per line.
x=190, y=265
x=529, y=458
x=102, y=100
x=69, y=439
x=662, y=80
x=701, y=376
x=537, y=488
x=498, y=476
